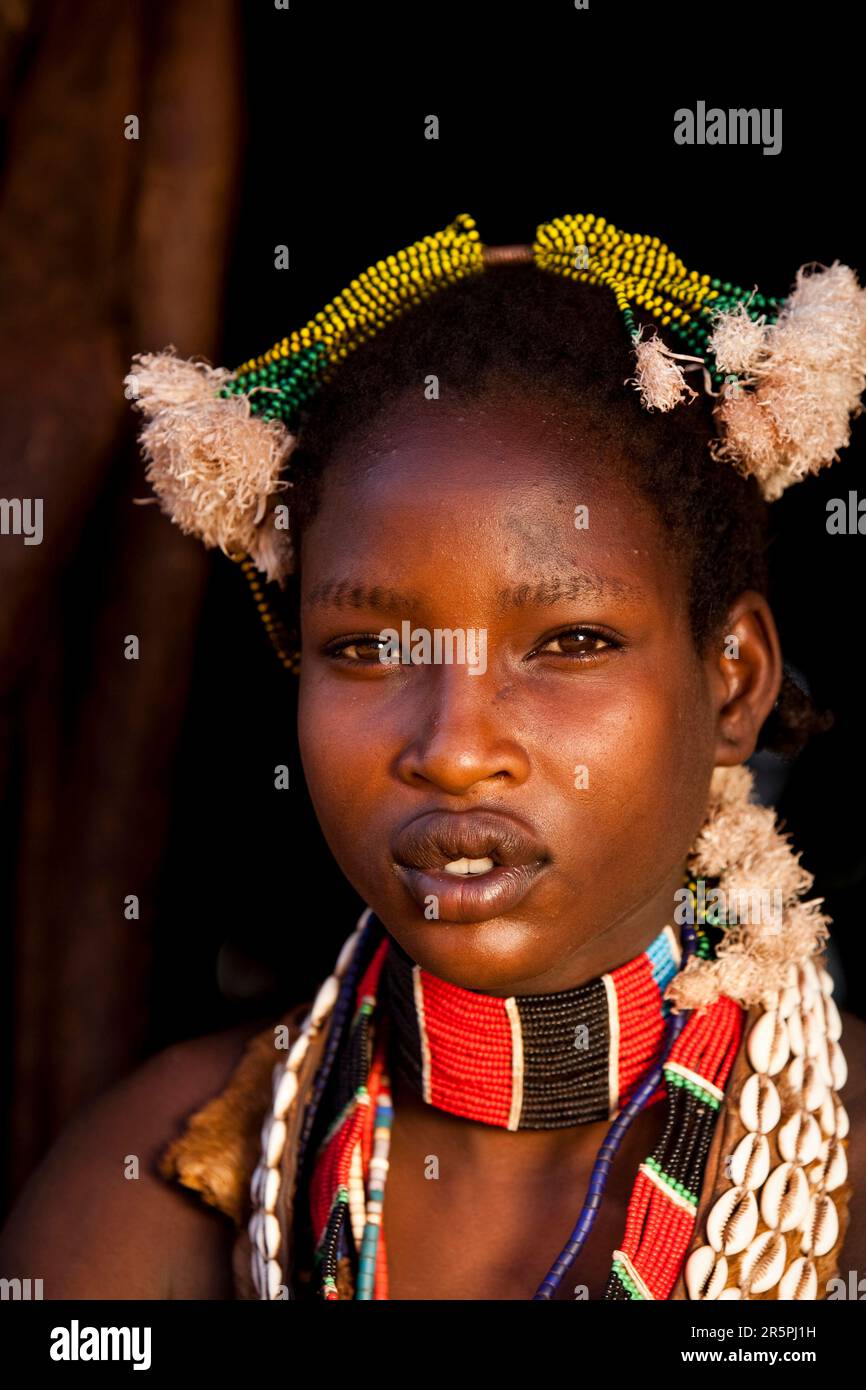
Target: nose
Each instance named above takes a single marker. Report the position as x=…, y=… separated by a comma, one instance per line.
x=461, y=735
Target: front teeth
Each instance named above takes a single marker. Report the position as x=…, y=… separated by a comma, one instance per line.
x=469, y=866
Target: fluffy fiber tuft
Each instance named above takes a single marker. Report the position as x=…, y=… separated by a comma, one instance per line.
x=808, y=373
x=659, y=378
x=741, y=845
x=214, y=466
x=737, y=341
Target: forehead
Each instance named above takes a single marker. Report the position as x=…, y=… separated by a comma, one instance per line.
x=518, y=495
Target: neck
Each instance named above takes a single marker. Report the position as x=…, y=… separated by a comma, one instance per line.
x=621, y=940
x=528, y=1062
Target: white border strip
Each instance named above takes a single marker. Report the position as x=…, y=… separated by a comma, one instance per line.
x=613, y=1046
x=516, y=1063
x=676, y=948
x=418, y=990
x=669, y=1191
x=632, y=1273
x=698, y=1080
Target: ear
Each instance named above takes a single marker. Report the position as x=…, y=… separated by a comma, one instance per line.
x=746, y=677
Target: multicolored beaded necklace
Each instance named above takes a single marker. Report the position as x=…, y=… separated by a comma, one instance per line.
x=607, y=1049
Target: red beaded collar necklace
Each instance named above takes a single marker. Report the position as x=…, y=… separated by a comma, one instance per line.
x=533, y=1061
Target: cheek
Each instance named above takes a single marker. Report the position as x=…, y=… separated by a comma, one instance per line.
x=661, y=755
x=632, y=761
x=343, y=751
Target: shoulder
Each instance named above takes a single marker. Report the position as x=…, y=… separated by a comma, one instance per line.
x=853, y=1043
x=853, y=1097
x=98, y=1219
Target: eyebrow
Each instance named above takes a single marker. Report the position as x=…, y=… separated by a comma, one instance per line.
x=538, y=592
x=348, y=593
x=545, y=591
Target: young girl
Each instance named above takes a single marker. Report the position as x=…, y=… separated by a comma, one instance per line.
x=582, y=1043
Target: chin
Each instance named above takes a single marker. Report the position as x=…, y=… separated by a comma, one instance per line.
x=502, y=955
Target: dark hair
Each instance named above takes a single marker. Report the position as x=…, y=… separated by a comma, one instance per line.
x=516, y=327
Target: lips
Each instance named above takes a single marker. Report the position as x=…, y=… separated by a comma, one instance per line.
x=423, y=848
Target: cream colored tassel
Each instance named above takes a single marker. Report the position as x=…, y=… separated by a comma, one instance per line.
x=660, y=381
x=214, y=466
x=808, y=382
x=737, y=342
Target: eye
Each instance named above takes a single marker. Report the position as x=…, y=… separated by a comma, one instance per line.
x=580, y=643
x=363, y=650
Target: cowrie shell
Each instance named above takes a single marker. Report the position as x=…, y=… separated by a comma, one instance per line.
x=826, y=980
x=770, y=1000
x=796, y=1036
x=768, y=1046
x=832, y=1169
x=258, y=1272
x=273, y=1278
x=800, y=1280
x=763, y=1263
x=705, y=1274
x=789, y=1000
x=268, y=1236
x=728, y=1294
x=785, y=1197
x=803, y=1077
x=324, y=1001
x=298, y=1051
x=750, y=1161
x=838, y=1066
x=732, y=1220
x=254, y=1226
x=813, y=1031
x=834, y=1118
x=346, y=954
x=821, y=1226
x=277, y=1076
x=760, y=1106
x=808, y=981
x=257, y=1183
x=286, y=1094
x=821, y=1058
x=833, y=1019
x=269, y=1187
x=294, y=1058
x=799, y=1138
x=273, y=1140
x=827, y=1116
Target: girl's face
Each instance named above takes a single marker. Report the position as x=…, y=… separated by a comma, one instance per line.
x=570, y=740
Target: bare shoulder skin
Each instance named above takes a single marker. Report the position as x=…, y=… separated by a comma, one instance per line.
x=88, y=1231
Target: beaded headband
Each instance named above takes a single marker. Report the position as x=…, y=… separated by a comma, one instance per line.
x=788, y=374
